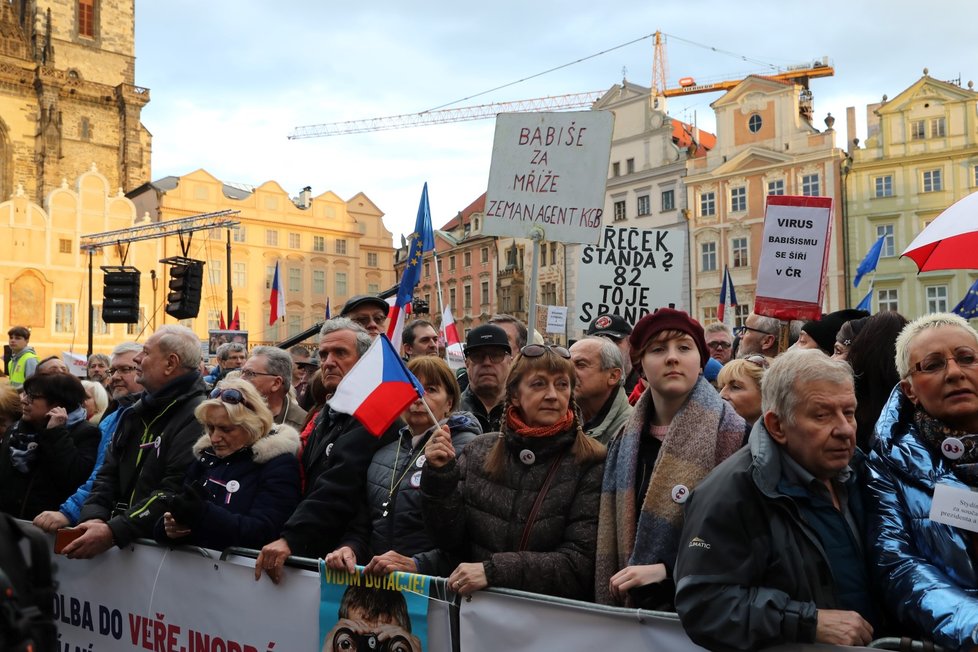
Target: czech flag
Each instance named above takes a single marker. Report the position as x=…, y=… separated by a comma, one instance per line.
x=277, y=299
x=727, y=294
x=377, y=389
x=453, y=344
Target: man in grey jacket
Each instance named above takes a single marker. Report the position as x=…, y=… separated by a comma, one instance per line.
x=771, y=549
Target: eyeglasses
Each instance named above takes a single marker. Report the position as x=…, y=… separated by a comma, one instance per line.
x=231, y=397
x=758, y=360
x=481, y=355
x=363, y=320
x=740, y=331
x=719, y=345
x=536, y=350
x=964, y=357
x=122, y=369
x=248, y=374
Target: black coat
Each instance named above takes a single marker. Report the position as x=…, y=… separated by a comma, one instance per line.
x=63, y=460
x=133, y=479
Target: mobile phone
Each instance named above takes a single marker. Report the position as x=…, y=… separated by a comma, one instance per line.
x=64, y=536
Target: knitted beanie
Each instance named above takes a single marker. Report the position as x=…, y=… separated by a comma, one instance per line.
x=666, y=319
x=824, y=330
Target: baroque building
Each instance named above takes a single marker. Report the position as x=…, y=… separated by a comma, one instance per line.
x=68, y=96
x=919, y=157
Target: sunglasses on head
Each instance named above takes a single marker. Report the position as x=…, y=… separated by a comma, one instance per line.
x=231, y=397
x=536, y=350
x=757, y=360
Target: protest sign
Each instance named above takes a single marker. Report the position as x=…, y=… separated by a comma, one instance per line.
x=556, y=319
x=794, y=256
x=630, y=273
x=549, y=170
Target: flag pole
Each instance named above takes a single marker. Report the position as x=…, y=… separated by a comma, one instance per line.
x=441, y=304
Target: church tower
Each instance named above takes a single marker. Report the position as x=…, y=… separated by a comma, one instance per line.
x=68, y=96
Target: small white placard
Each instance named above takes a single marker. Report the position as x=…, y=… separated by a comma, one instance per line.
x=955, y=506
x=556, y=319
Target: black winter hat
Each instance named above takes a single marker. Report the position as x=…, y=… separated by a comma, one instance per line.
x=824, y=330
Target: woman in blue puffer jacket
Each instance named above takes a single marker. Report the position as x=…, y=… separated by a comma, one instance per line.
x=926, y=568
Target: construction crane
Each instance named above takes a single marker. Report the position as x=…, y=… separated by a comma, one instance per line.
x=442, y=116
x=800, y=73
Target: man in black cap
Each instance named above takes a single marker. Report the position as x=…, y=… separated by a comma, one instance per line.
x=369, y=311
x=616, y=329
x=488, y=358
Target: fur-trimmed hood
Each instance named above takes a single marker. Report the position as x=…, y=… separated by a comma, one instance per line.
x=281, y=439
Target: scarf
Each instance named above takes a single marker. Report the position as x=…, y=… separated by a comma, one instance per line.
x=704, y=432
x=517, y=426
x=934, y=432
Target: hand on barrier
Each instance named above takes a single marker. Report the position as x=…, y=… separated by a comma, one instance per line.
x=342, y=559
x=439, y=450
x=837, y=627
x=173, y=529
x=97, y=538
x=271, y=559
x=51, y=521
x=630, y=577
x=468, y=578
x=389, y=562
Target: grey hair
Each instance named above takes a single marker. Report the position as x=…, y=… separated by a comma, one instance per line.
x=100, y=357
x=225, y=350
x=717, y=327
x=278, y=362
x=916, y=327
x=127, y=347
x=344, y=324
x=780, y=390
x=610, y=355
x=182, y=341
x=770, y=325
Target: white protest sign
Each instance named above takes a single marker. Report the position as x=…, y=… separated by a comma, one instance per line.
x=955, y=506
x=549, y=170
x=556, y=319
x=794, y=256
x=77, y=364
x=630, y=273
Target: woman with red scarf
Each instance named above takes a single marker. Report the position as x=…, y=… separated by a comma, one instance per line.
x=518, y=509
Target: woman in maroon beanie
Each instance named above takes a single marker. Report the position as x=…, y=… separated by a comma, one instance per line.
x=680, y=429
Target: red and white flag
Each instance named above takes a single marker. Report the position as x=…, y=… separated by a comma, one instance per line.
x=453, y=344
x=277, y=299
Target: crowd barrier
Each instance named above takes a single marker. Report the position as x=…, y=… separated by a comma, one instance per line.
x=148, y=597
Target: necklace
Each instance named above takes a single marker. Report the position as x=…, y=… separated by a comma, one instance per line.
x=397, y=483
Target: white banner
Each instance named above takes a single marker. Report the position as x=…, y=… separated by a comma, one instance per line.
x=630, y=273
x=556, y=319
x=549, y=170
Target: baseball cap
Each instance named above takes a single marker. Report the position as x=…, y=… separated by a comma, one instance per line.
x=487, y=335
x=610, y=326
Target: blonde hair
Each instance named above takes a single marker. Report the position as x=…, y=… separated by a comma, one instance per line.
x=741, y=369
x=255, y=417
x=919, y=325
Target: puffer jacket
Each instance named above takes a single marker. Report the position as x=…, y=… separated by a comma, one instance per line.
x=473, y=518
x=390, y=519
x=252, y=511
x=925, y=569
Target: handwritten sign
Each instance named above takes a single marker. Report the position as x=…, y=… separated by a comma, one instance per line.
x=549, y=170
x=794, y=256
x=630, y=273
x=955, y=506
x=556, y=319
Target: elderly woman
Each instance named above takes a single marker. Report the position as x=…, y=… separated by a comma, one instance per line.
x=518, y=508
x=50, y=451
x=96, y=400
x=740, y=385
x=680, y=429
x=244, y=483
x=925, y=562
x=389, y=534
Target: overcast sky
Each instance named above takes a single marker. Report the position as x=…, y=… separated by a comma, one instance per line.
x=231, y=79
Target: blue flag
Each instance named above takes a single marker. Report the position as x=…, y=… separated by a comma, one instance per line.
x=328, y=316
x=419, y=242
x=968, y=308
x=867, y=302
x=870, y=262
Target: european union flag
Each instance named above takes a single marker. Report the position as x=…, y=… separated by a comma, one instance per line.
x=867, y=302
x=968, y=308
x=870, y=261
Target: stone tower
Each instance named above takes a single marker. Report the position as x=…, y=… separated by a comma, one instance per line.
x=68, y=96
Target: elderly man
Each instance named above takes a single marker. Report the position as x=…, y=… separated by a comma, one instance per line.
x=230, y=356
x=269, y=369
x=719, y=340
x=334, y=460
x=419, y=338
x=617, y=329
x=151, y=449
x=598, y=391
x=369, y=311
x=124, y=390
x=97, y=368
x=488, y=358
x=771, y=550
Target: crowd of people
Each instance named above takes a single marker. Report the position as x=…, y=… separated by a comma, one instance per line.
x=772, y=484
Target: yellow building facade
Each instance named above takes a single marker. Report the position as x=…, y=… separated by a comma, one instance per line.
x=920, y=156
x=326, y=248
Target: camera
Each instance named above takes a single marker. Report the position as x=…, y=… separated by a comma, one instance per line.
x=347, y=641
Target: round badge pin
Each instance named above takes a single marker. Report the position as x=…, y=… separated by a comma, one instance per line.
x=416, y=479
x=232, y=486
x=527, y=456
x=158, y=441
x=329, y=449
x=420, y=461
x=680, y=493
x=953, y=448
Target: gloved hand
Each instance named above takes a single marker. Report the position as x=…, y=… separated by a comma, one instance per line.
x=188, y=507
